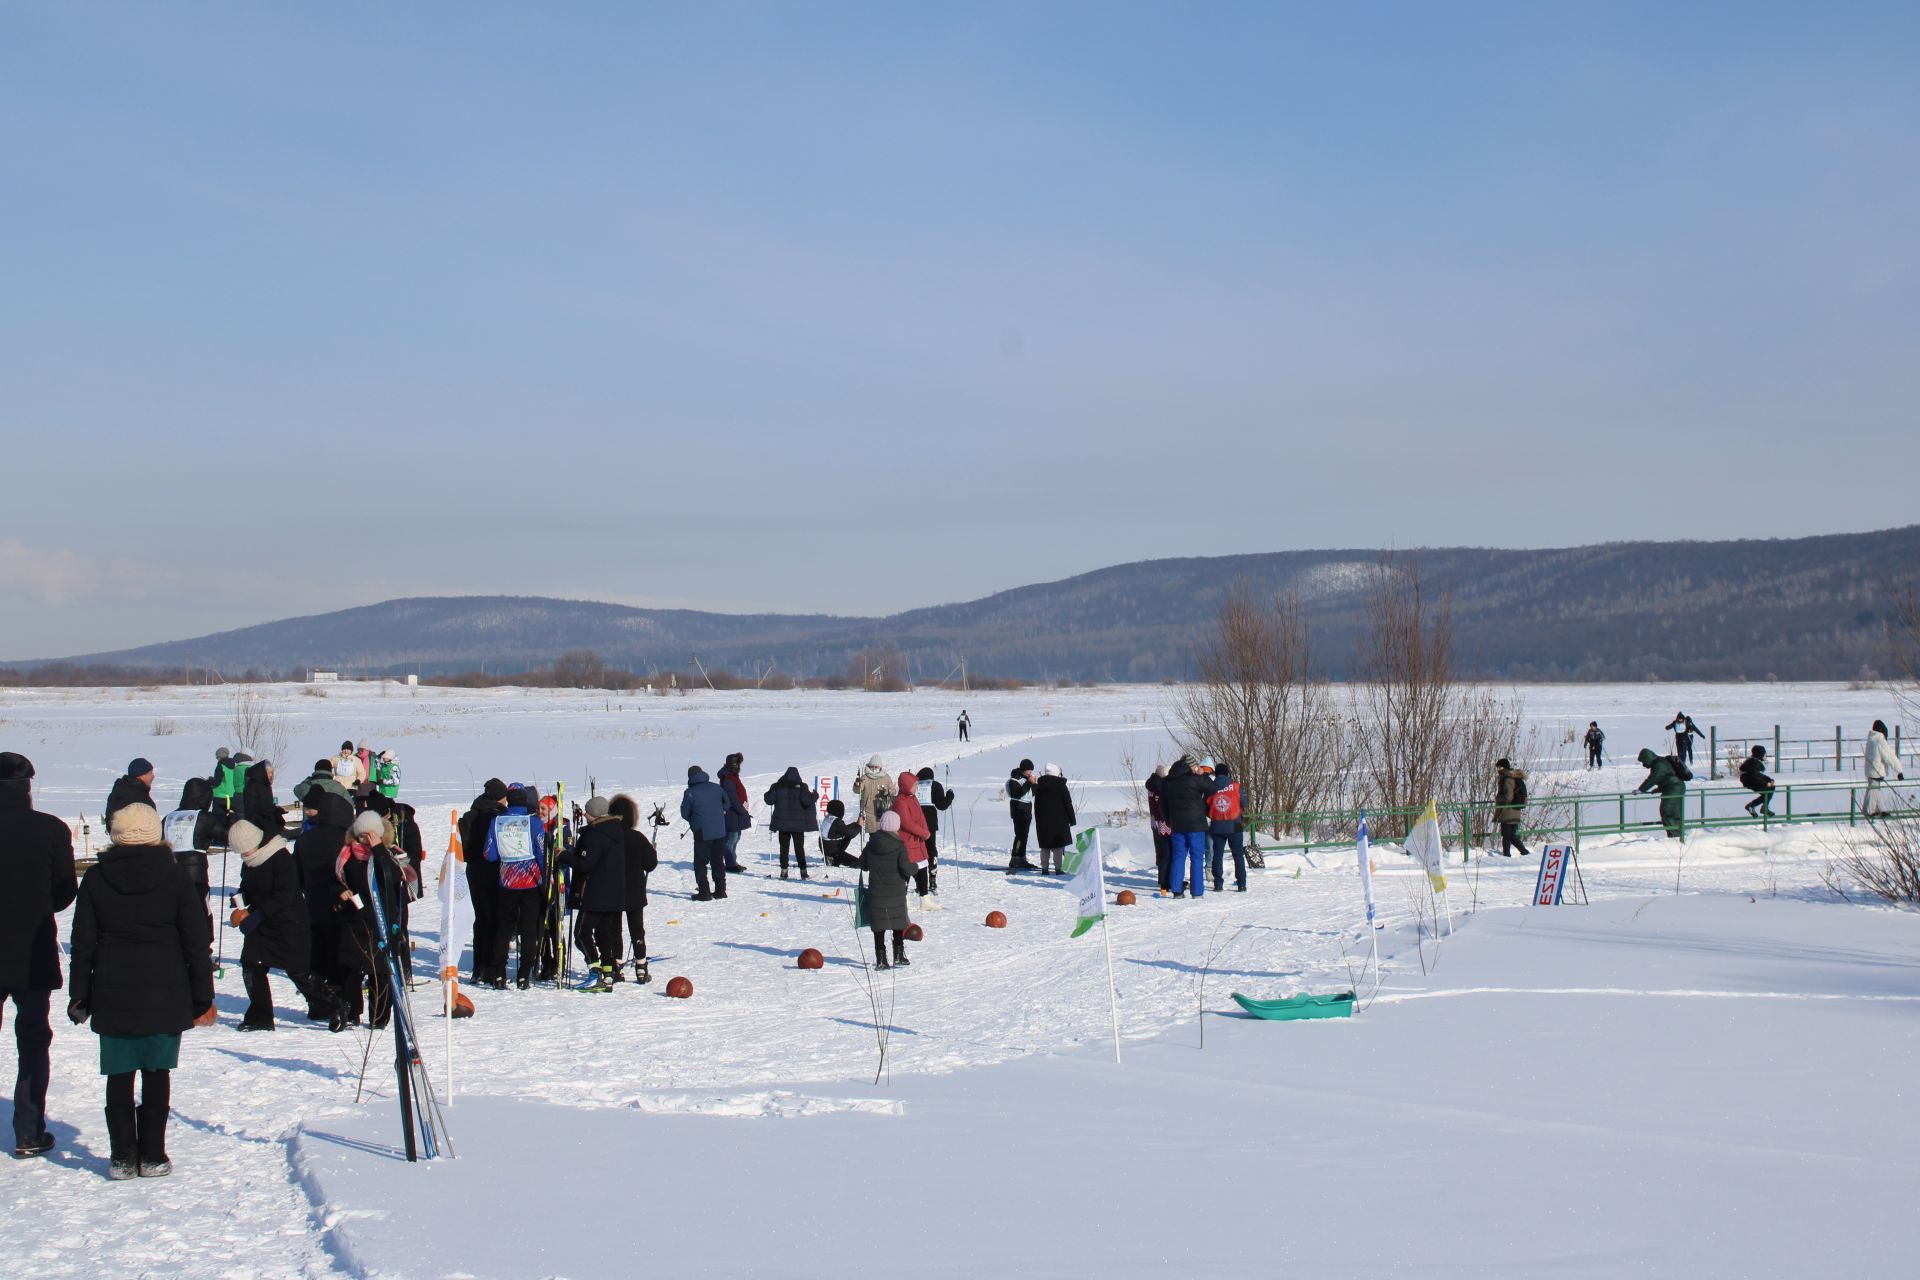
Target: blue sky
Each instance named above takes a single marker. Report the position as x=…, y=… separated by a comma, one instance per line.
x=865, y=307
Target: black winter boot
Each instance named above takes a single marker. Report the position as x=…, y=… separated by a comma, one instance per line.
x=122, y=1146
x=880, y=952
x=900, y=950
x=152, y=1138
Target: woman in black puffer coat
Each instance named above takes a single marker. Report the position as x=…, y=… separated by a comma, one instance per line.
x=143, y=971
x=642, y=860
x=795, y=816
x=889, y=870
x=1053, y=820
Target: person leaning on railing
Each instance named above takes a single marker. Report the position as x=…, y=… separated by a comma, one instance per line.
x=1669, y=777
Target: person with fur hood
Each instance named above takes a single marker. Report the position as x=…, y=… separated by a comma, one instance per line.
x=876, y=791
x=143, y=973
x=271, y=914
x=367, y=865
x=913, y=830
x=1510, y=806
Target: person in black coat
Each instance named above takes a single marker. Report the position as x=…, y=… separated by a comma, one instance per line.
x=37, y=882
x=1020, y=809
x=1162, y=833
x=1753, y=776
x=143, y=972
x=483, y=877
x=598, y=860
x=836, y=837
x=189, y=833
x=1596, y=743
x=1684, y=731
x=257, y=804
x=793, y=805
x=642, y=859
x=889, y=871
x=135, y=787
x=934, y=801
x=366, y=865
x=314, y=854
x=1184, y=796
x=271, y=915
x=1053, y=820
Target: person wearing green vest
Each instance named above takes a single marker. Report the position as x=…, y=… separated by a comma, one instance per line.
x=229, y=779
x=386, y=775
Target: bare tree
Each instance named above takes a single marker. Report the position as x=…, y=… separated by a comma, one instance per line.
x=579, y=669
x=255, y=728
x=1421, y=732
x=1259, y=706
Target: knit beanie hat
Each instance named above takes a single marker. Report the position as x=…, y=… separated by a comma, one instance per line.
x=889, y=821
x=14, y=767
x=1053, y=770
x=1026, y=766
x=243, y=837
x=139, y=767
x=597, y=808
x=135, y=824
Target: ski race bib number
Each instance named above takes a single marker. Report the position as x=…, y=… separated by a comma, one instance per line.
x=513, y=838
x=179, y=829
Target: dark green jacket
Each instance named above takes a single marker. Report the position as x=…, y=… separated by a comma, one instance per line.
x=1662, y=774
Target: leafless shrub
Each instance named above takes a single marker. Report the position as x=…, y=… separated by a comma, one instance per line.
x=1259, y=706
x=164, y=728
x=1881, y=859
x=255, y=728
x=312, y=691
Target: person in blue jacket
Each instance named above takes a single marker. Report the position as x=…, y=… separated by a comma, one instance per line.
x=705, y=805
x=516, y=843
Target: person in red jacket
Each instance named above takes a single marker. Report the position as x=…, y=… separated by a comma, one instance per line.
x=913, y=830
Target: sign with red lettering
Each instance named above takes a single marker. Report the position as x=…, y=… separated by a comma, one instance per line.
x=1553, y=875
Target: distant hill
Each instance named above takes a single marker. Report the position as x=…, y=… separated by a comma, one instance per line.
x=1802, y=608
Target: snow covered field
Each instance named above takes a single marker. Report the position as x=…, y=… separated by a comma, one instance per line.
x=1642, y=1086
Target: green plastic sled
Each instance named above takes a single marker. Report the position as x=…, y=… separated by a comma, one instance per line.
x=1295, y=1008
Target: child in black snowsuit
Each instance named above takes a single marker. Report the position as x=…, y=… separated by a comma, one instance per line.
x=836, y=836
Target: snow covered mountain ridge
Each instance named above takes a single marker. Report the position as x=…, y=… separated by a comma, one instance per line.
x=1802, y=608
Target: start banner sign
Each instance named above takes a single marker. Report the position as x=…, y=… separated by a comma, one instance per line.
x=1554, y=860
x=827, y=785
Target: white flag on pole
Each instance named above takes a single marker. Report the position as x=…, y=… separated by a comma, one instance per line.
x=456, y=908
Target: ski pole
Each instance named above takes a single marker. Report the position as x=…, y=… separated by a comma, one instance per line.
x=219, y=946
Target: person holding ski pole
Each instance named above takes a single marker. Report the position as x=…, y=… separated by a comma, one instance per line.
x=598, y=859
x=965, y=724
x=1684, y=731
x=1595, y=741
x=367, y=865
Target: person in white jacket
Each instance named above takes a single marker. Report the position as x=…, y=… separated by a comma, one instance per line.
x=1881, y=763
x=346, y=768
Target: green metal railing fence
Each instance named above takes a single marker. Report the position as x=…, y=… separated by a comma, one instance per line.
x=1465, y=824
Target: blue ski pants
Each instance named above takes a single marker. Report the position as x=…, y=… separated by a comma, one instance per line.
x=1189, y=860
